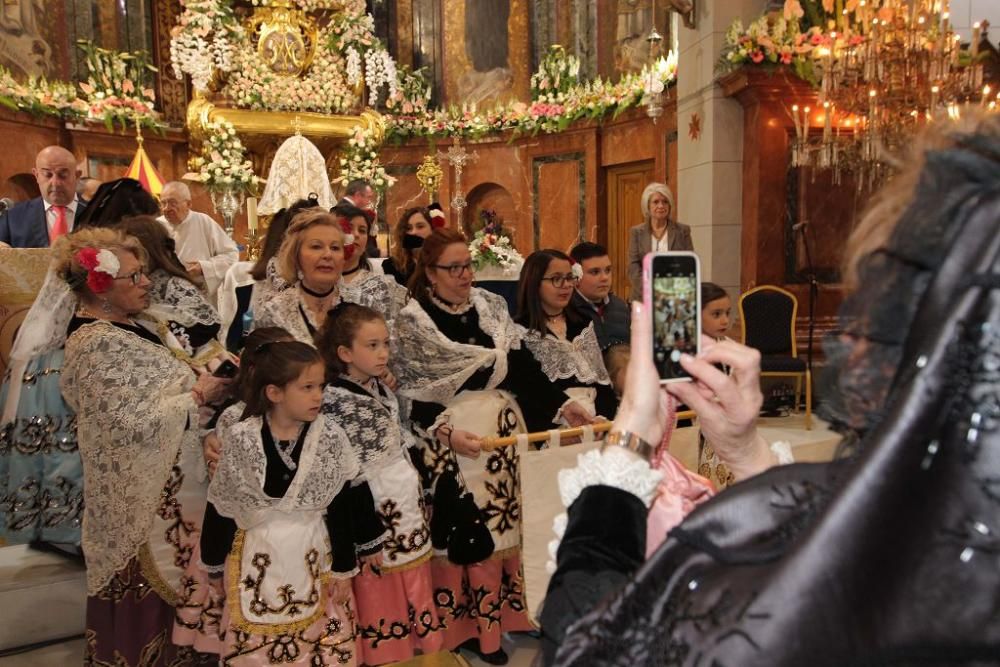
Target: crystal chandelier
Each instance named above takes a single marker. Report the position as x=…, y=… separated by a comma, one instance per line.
x=883, y=71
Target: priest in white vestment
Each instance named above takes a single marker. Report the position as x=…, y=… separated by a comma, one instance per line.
x=201, y=243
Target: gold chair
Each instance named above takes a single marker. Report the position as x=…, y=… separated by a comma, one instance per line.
x=768, y=316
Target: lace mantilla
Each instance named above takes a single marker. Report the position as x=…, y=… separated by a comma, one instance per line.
x=327, y=463
x=560, y=359
x=174, y=299
x=371, y=424
x=297, y=170
x=133, y=404
x=431, y=367
x=286, y=310
x=378, y=292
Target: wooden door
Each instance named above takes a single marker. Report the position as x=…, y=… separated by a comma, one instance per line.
x=625, y=185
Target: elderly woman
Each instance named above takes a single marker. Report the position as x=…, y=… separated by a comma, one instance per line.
x=563, y=343
x=459, y=358
x=311, y=260
x=408, y=235
x=659, y=232
x=894, y=544
x=136, y=412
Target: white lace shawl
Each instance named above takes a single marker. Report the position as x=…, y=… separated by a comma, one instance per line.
x=133, y=405
x=326, y=463
x=298, y=169
x=372, y=424
x=379, y=292
x=430, y=367
x=174, y=299
x=282, y=310
x=560, y=359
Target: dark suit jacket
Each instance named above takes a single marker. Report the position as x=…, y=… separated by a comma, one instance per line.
x=24, y=225
x=678, y=238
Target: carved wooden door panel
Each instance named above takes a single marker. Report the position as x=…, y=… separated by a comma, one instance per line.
x=625, y=184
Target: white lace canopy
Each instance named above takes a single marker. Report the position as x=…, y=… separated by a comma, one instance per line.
x=298, y=169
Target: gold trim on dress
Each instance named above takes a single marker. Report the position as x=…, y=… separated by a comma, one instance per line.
x=412, y=565
x=151, y=571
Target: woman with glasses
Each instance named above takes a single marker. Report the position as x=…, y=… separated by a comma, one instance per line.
x=179, y=312
x=564, y=343
x=41, y=492
x=136, y=410
x=459, y=358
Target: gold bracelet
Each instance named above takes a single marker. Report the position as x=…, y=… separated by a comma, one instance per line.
x=631, y=442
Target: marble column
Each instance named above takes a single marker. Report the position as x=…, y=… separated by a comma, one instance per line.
x=710, y=143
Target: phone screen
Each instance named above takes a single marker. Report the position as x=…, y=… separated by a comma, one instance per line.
x=676, y=312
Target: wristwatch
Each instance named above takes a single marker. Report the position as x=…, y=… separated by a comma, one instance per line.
x=632, y=442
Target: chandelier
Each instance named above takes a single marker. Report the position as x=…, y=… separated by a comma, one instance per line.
x=884, y=70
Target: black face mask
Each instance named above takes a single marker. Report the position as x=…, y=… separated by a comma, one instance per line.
x=412, y=241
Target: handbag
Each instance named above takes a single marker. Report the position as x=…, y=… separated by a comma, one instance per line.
x=457, y=523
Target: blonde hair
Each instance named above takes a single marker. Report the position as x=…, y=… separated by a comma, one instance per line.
x=102, y=238
x=889, y=204
x=288, y=254
x=647, y=194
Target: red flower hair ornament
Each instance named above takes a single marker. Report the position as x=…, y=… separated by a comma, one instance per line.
x=345, y=226
x=438, y=219
x=102, y=266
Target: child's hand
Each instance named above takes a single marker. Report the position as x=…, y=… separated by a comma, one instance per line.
x=339, y=590
x=212, y=451
x=389, y=380
x=373, y=561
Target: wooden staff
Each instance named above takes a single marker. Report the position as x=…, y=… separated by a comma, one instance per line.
x=492, y=442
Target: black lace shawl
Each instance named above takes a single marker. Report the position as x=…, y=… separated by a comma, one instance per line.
x=889, y=556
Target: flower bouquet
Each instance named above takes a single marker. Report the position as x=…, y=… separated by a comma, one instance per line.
x=493, y=253
x=360, y=160
x=118, y=89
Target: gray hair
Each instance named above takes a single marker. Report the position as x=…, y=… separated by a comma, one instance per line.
x=647, y=194
x=181, y=188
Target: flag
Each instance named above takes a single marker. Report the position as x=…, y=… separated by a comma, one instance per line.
x=142, y=170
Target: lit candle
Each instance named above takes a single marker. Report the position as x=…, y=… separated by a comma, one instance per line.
x=795, y=119
x=252, y=214
x=975, y=39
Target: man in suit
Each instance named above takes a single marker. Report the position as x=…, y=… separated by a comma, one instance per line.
x=658, y=233
x=593, y=299
x=38, y=222
x=359, y=194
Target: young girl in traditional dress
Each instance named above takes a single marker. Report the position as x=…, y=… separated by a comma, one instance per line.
x=268, y=525
x=716, y=311
x=396, y=611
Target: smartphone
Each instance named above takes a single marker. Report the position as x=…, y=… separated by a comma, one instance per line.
x=227, y=369
x=671, y=286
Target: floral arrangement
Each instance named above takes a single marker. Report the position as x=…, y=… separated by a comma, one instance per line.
x=360, y=160
x=41, y=97
x=557, y=74
x=345, y=227
x=223, y=164
x=412, y=94
x=118, y=87
x=102, y=266
x=491, y=245
x=204, y=39
x=592, y=100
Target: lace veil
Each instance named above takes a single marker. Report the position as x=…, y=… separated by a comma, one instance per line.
x=133, y=405
x=579, y=358
x=327, y=463
x=298, y=169
x=431, y=367
x=43, y=330
x=174, y=299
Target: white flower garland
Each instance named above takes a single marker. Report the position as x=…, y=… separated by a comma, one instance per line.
x=360, y=160
x=204, y=39
x=223, y=163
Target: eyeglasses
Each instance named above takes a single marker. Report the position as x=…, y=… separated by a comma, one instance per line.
x=135, y=278
x=455, y=270
x=562, y=279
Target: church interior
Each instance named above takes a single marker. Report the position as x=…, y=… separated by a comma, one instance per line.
x=772, y=123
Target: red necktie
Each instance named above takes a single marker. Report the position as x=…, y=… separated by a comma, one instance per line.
x=59, y=226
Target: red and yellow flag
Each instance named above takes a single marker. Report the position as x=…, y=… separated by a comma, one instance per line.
x=142, y=170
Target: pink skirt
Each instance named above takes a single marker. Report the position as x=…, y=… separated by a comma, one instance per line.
x=198, y=610
x=396, y=614
x=480, y=601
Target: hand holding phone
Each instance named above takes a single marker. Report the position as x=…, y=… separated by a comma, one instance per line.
x=227, y=369
x=671, y=285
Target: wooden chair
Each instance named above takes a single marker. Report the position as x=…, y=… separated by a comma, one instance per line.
x=768, y=316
